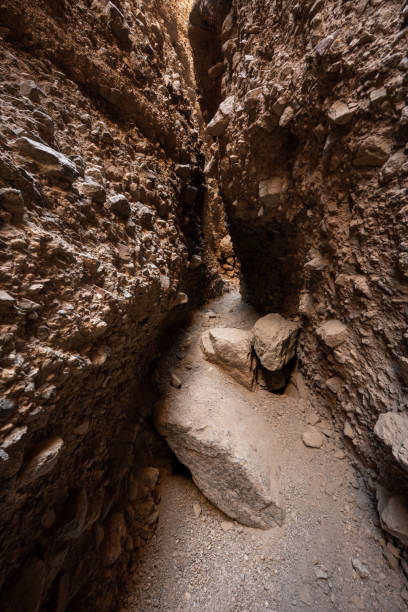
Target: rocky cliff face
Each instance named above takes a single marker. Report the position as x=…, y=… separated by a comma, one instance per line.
x=310, y=153
x=101, y=205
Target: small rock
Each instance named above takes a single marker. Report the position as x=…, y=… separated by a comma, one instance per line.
x=189, y=194
x=95, y=191
x=226, y=525
x=184, y=172
x=221, y=119
x=321, y=573
x=6, y=301
x=230, y=349
x=348, y=431
x=360, y=568
x=115, y=535
x=341, y=113
x=312, y=438
x=392, y=429
x=30, y=90
x=197, y=510
x=394, y=518
x=339, y=454
x=215, y=71
x=120, y=206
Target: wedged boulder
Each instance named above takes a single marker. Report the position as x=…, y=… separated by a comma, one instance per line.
x=230, y=349
x=392, y=429
x=274, y=341
x=229, y=449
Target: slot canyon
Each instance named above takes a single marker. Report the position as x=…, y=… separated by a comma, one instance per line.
x=203, y=305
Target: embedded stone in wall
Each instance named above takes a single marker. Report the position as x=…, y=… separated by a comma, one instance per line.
x=373, y=151
x=341, y=113
x=221, y=119
x=43, y=461
x=270, y=192
x=115, y=535
x=58, y=164
x=332, y=333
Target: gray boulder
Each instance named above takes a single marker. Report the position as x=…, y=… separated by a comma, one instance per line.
x=229, y=448
x=230, y=349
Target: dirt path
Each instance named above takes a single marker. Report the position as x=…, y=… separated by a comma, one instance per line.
x=201, y=560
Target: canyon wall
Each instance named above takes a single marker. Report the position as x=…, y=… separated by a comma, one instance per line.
x=102, y=250
x=310, y=154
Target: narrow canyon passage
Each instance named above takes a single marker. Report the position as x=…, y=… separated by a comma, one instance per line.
x=203, y=305
x=327, y=555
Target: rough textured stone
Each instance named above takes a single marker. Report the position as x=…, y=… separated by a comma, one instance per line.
x=312, y=437
x=341, y=113
x=44, y=460
x=230, y=451
x=221, y=119
x=231, y=349
x=107, y=109
x=274, y=341
x=332, y=332
x=373, y=151
x=120, y=206
x=59, y=164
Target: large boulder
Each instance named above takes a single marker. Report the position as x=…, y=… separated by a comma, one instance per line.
x=274, y=341
x=229, y=448
x=231, y=349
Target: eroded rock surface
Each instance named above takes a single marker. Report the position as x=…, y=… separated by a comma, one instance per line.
x=312, y=167
x=102, y=201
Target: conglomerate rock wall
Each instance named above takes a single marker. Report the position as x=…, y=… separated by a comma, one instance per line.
x=310, y=154
x=102, y=248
